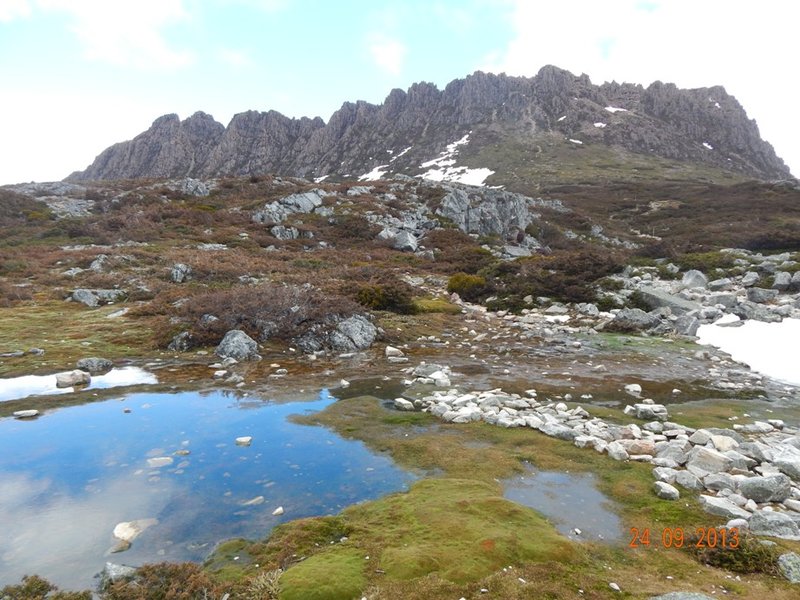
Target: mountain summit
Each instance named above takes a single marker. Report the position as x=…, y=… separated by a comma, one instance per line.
x=485, y=128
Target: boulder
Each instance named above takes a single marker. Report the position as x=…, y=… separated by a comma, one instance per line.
x=633, y=319
x=771, y=488
x=180, y=272
x=237, y=344
x=722, y=508
x=656, y=298
x=720, y=285
x=181, y=342
x=782, y=281
x=750, y=279
x=616, y=451
x=403, y=404
x=285, y=233
x=761, y=295
x=789, y=564
x=344, y=335
x=85, y=297
x=648, y=412
x=72, y=378
x=704, y=461
x=686, y=325
x=689, y=481
x=694, y=279
x=127, y=531
x=787, y=459
x=94, y=364
x=774, y=524
x=666, y=491
x=405, y=241
x=794, y=285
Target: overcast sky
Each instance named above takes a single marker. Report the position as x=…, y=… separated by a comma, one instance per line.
x=79, y=75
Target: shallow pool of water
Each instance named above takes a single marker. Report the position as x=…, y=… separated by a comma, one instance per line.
x=570, y=501
x=768, y=348
x=34, y=385
x=69, y=477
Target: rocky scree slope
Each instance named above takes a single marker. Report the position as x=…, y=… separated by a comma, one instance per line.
x=704, y=126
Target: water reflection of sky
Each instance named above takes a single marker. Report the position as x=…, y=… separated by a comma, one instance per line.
x=569, y=501
x=69, y=477
x=30, y=385
x=765, y=347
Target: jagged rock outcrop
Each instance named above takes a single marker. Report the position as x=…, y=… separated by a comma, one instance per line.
x=704, y=126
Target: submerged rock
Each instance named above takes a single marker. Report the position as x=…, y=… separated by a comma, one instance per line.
x=127, y=531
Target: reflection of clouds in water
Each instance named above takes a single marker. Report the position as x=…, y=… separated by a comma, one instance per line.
x=28, y=385
x=765, y=347
x=46, y=530
x=123, y=376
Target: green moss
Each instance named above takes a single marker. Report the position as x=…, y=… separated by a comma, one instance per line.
x=436, y=305
x=331, y=575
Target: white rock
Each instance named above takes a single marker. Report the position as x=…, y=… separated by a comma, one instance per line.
x=127, y=531
x=71, y=378
x=391, y=351
x=403, y=404
x=666, y=491
x=633, y=388
x=278, y=511
x=244, y=440
x=26, y=414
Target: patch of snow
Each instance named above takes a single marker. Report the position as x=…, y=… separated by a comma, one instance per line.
x=376, y=173
x=716, y=105
x=463, y=175
x=761, y=345
x=321, y=179
x=599, y=125
x=614, y=109
x=401, y=154
x=562, y=118
x=443, y=168
x=580, y=143
x=707, y=145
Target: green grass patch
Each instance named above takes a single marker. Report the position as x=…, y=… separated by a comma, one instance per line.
x=436, y=305
x=331, y=575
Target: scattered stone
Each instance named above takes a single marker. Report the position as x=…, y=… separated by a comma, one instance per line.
x=180, y=273
x=633, y=388
x=666, y=491
x=278, y=511
x=25, y=414
x=254, y=501
x=391, y=351
x=72, y=378
x=159, y=461
x=761, y=295
x=682, y=596
x=244, y=440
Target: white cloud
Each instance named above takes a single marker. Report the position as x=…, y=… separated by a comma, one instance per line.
x=388, y=53
x=13, y=9
x=238, y=59
x=125, y=33
x=734, y=43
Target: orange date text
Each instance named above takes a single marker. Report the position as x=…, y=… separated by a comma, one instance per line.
x=676, y=537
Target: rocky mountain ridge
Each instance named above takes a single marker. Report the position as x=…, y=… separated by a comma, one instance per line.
x=488, y=124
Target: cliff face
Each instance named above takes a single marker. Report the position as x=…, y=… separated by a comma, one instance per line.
x=703, y=126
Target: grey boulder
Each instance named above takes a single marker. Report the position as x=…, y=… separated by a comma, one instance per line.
x=774, y=524
x=237, y=344
x=772, y=488
x=94, y=364
x=71, y=378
